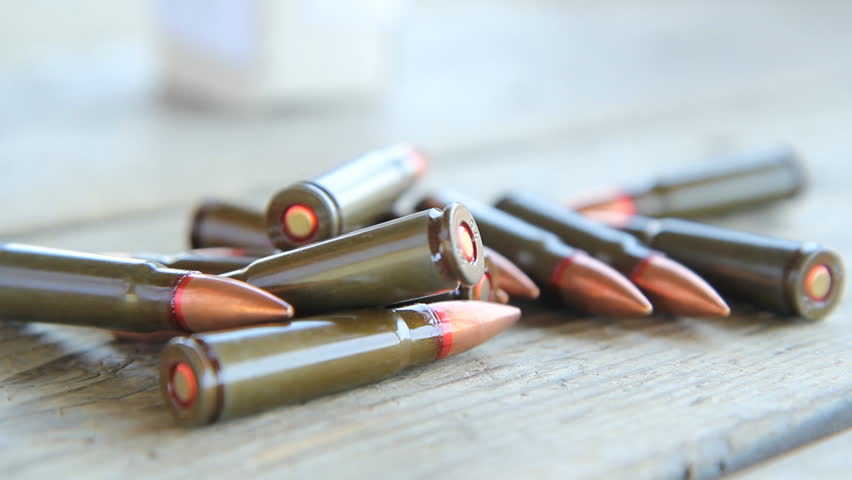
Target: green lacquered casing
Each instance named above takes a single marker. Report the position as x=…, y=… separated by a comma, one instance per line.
x=205, y=263
x=621, y=250
x=349, y=197
x=220, y=224
x=483, y=291
x=734, y=183
x=412, y=257
x=251, y=369
x=536, y=251
x=765, y=271
x=58, y=286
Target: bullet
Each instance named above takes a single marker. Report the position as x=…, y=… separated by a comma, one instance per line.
x=577, y=279
x=508, y=277
x=216, y=223
x=672, y=287
x=349, y=197
x=212, y=260
x=219, y=224
x=486, y=290
x=782, y=276
x=59, y=286
x=211, y=377
x=419, y=255
x=501, y=279
x=731, y=184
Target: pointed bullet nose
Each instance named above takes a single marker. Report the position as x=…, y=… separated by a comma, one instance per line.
x=206, y=302
x=500, y=296
x=470, y=323
x=677, y=289
x=597, y=288
x=511, y=279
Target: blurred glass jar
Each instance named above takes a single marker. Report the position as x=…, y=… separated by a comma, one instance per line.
x=244, y=53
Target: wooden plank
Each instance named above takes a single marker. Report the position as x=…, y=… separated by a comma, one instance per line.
x=560, y=395
x=472, y=75
x=827, y=459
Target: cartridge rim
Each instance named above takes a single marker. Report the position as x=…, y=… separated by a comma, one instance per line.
x=815, y=282
x=196, y=405
x=316, y=210
x=457, y=229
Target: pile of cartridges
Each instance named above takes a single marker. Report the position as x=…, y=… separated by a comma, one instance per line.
x=330, y=289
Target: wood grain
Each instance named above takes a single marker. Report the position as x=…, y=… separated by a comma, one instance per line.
x=560, y=395
x=826, y=459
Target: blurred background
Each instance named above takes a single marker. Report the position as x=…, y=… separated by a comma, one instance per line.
x=126, y=113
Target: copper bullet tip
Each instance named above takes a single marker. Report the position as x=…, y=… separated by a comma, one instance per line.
x=677, y=289
x=511, y=279
x=469, y=323
x=485, y=289
x=500, y=296
x=598, y=288
x=207, y=302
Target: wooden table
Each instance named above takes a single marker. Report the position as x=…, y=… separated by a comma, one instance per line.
x=505, y=94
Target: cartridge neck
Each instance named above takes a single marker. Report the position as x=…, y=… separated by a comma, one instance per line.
x=533, y=249
x=45, y=284
x=429, y=334
x=607, y=244
x=645, y=229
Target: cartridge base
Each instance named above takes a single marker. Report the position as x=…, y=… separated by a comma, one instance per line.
x=192, y=396
x=316, y=209
x=814, y=281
